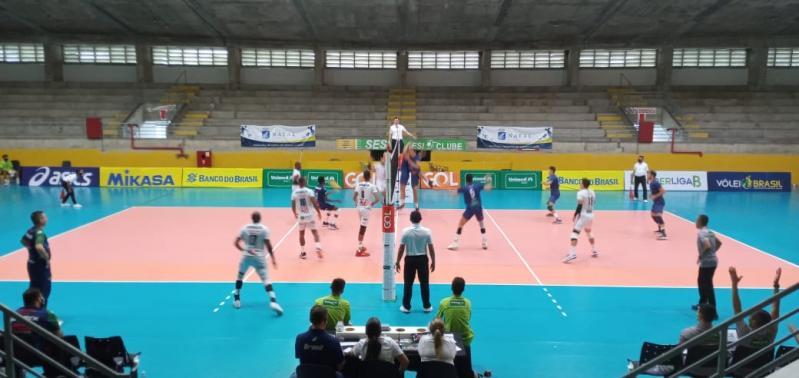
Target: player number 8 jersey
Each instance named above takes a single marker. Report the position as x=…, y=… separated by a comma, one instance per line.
x=302, y=201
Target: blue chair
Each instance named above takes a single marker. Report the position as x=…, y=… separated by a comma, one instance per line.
x=377, y=369
x=742, y=352
x=315, y=371
x=436, y=369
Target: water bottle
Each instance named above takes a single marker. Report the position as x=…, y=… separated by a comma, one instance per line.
x=339, y=326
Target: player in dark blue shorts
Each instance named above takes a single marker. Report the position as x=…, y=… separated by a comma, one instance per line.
x=554, y=194
x=325, y=204
x=410, y=170
x=658, y=203
x=474, y=208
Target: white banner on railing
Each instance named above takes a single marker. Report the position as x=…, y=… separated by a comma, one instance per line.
x=512, y=137
x=278, y=136
x=678, y=181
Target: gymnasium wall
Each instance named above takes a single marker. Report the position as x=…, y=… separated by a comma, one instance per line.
x=22, y=72
x=100, y=72
x=351, y=160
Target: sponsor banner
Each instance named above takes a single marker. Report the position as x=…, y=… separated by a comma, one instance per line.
x=277, y=178
x=749, y=181
x=118, y=177
x=223, y=177
x=446, y=180
x=480, y=176
x=51, y=176
x=520, y=180
x=508, y=137
x=312, y=176
x=388, y=218
x=677, y=181
x=278, y=136
x=424, y=144
x=600, y=180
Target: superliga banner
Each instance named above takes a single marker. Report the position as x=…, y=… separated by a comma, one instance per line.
x=121, y=177
x=223, y=177
x=278, y=136
x=510, y=137
x=600, y=180
x=677, y=181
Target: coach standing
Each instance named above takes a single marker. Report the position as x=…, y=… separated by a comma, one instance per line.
x=708, y=244
x=38, y=255
x=417, y=240
x=639, y=175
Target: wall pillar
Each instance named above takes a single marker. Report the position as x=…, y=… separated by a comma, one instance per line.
x=485, y=68
x=664, y=65
x=573, y=67
x=144, y=64
x=53, y=62
x=319, y=67
x=757, y=64
x=402, y=67
x=234, y=67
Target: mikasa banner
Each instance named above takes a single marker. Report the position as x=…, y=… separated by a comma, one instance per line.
x=677, y=181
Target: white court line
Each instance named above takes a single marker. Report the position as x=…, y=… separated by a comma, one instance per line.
x=526, y=265
x=739, y=242
x=73, y=229
x=250, y=273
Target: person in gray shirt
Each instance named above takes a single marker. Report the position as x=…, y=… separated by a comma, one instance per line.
x=707, y=244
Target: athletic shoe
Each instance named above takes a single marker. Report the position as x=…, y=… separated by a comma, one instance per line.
x=595, y=254
x=333, y=226
x=569, y=258
x=362, y=253
x=237, y=304
x=646, y=201
x=428, y=309
x=64, y=204
x=694, y=307
x=276, y=307
x=550, y=215
x=485, y=243
x=77, y=206
x=558, y=221
x=303, y=255
x=319, y=252
x=662, y=236
x=325, y=224
x=453, y=246
x=404, y=310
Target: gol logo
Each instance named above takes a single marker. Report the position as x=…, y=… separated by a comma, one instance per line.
x=388, y=218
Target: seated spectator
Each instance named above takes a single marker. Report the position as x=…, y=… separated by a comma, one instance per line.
x=7, y=172
x=377, y=347
x=317, y=346
x=338, y=309
x=456, y=312
x=705, y=315
x=759, y=319
x=435, y=347
x=33, y=310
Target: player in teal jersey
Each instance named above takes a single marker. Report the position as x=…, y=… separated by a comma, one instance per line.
x=255, y=240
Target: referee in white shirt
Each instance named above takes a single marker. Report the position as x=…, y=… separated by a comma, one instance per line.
x=395, y=134
x=639, y=176
x=417, y=240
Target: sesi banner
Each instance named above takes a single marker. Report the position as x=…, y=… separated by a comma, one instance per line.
x=677, y=181
x=51, y=176
x=278, y=136
x=749, y=181
x=516, y=138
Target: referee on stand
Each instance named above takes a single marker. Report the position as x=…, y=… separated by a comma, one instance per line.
x=396, y=132
x=417, y=240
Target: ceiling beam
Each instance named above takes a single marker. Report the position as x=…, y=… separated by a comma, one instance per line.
x=699, y=18
x=502, y=12
x=25, y=21
x=607, y=13
x=117, y=21
x=217, y=27
x=308, y=24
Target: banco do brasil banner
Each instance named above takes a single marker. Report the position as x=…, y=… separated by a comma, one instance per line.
x=278, y=136
x=120, y=177
x=423, y=144
x=749, y=181
x=511, y=137
x=600, y=180
x=223, y=177
x=676, y=181
x=51, y=176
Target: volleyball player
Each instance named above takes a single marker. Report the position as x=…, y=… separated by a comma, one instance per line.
x=365, y=196
x=303, y=203
x=325, y=205
x=68, y=188
x=554, y=194
x=295, y=176
x=656, y=192
x=410, y=169
x=583, y=219
x=255, y=237
x=380, y=176
x=474, y=208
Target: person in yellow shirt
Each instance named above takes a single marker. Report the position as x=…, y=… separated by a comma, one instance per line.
x=338, y=309
x=456, y=311
x=7, y=172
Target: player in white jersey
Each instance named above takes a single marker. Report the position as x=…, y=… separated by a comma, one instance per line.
x=365, y=196
x=295, y=176
x=255, y=238
x=380, y=175
x=583, y=219
x=303, y=204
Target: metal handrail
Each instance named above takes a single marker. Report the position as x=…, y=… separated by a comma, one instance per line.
x=623, y=78
x=10, y=340
x=721, y=330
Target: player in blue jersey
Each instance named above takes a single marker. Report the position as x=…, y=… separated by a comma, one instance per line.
x=326, y=205
x=474, y=207
x=656, y=192
x=554, y=194
x=410, y=170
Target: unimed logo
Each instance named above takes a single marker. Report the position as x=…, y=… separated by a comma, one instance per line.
x=279, y=177
x=520, y=180
x=127, y=179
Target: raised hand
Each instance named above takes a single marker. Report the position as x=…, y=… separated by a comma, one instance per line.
x=734, y=277
x=777, y=277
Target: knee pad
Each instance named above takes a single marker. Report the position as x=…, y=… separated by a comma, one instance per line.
x=575, y=234
x=550, y=207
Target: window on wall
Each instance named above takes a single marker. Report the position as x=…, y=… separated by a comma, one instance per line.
x=21, y=53
x=370, y=59
x=290, y=58
x=443, y=60
x=189, y=56
x=783, y=57
x=528, y=59
x=100, y=54
x=618, y=58
x=701, y=57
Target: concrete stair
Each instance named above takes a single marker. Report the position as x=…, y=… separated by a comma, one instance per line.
x=402, y=104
